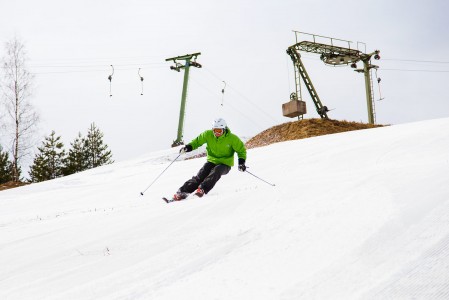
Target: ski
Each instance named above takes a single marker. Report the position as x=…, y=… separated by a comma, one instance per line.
x=168, y=200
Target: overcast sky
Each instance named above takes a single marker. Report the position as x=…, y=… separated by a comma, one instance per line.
x=71, y=45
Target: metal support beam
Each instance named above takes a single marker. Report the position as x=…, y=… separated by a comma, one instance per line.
x=177, y=67
x=179, y=140
x=367, y=66
x=369, y=92
x=299, y=66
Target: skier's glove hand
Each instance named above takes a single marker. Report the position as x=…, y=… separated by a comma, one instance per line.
x=186, y=148
x=242, y=166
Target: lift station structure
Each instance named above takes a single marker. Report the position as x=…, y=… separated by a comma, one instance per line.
x=330, y=54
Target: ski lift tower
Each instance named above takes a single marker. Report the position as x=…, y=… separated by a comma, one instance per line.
x=334, y=55
x=177, y=67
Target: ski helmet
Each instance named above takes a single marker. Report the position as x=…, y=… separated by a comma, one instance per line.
x=219, y=123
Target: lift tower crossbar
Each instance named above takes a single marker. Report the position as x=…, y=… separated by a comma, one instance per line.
x=177, y=67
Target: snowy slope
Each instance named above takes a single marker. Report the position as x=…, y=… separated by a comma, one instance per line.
x=357, y=215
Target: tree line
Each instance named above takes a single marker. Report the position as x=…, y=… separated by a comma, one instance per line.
x=52, y=161
x=18, y=123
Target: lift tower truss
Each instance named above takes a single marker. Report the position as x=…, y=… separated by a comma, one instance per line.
x=334, y=55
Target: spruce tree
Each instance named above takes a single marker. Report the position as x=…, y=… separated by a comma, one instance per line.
x=97, y=153
x=49, y=161
x=5, y=167
x=76, y=159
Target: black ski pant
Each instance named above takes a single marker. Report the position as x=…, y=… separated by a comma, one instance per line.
x=206, y=178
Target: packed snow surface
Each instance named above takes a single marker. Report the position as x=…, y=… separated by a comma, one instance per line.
x=357, y=215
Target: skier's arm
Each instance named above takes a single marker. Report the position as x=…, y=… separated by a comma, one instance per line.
x=240, y=148
x=198, y=141
x=241, y=153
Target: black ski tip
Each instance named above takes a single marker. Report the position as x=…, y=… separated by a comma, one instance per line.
x=141, y=193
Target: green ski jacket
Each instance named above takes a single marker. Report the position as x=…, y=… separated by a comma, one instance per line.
x=220, y=150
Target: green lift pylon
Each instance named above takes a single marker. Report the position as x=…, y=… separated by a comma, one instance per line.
x=367, y=66
x=177, y=67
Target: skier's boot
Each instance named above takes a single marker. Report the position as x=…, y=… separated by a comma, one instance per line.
x=199, y=192
x=180, y=196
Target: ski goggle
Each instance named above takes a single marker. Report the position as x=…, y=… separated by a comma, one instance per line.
x=218, y=131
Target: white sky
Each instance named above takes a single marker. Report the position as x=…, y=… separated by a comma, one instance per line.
x=71, y=45
x=356, y=215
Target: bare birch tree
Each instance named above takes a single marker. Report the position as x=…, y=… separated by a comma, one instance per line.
x=19, y=115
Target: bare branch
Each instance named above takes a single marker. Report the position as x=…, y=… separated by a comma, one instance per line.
x=20, y=118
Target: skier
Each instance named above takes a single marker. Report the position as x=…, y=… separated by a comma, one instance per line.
x=221, y=146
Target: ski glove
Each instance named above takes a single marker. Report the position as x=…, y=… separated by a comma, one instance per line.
x=242, y=166
x=186, y=148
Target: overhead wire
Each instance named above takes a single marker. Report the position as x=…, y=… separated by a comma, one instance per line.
x=93, y=66
x=416, y=70
x=305, y=55
x=133, y=61
x=96, y=66
x=120, y=67
x=420, y=61
x=129, y=63
x=83, y=65
x=241, y=95
x=405, y=60
x=417, y=60
x=228, y=104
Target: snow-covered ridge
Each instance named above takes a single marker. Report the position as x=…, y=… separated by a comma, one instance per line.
x=357, y=215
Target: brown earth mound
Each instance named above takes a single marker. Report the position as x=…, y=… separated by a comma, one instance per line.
x=303, y=129
x=11, y=184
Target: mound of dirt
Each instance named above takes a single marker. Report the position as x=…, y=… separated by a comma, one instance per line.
x=11, y=184
x=303, y=129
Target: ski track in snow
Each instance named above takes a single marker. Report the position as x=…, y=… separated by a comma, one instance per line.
x=357, y=215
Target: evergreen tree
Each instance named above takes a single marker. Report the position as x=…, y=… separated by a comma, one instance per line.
x=5, y=167
x=76, y=158
x=49, y=162
x=97, y=153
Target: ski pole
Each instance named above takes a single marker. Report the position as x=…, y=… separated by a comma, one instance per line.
x=161, y=174
x=272, y=184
